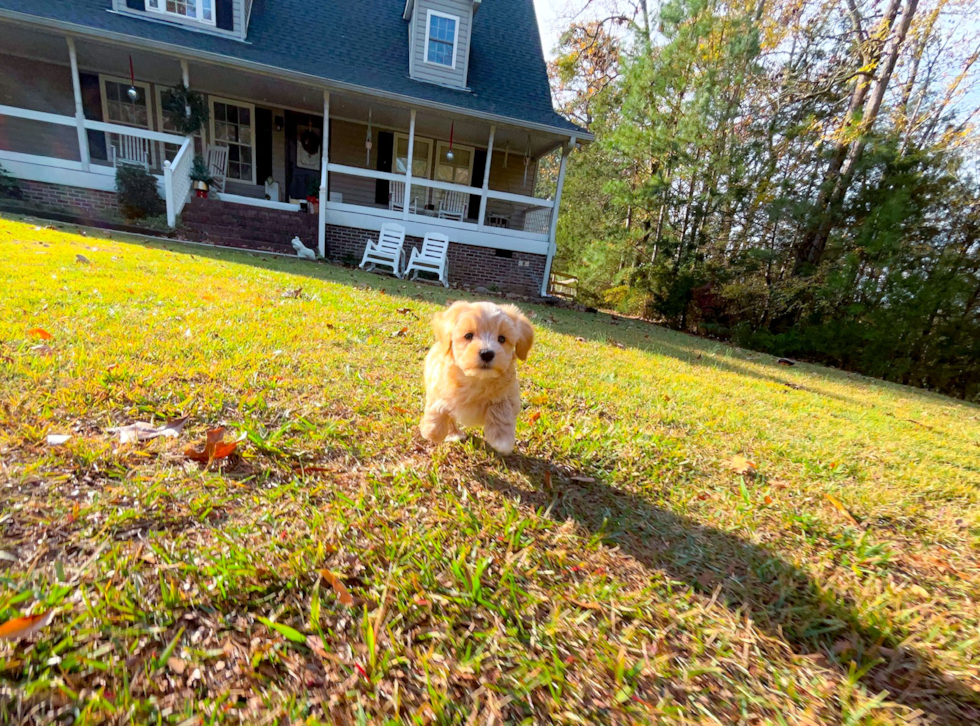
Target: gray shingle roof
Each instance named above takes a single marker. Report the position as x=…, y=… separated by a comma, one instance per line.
x=356, y=42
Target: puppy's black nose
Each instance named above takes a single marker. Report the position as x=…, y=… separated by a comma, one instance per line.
x=486, y=355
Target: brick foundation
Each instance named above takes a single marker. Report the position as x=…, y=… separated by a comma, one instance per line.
x=270, y=230
x=84, y=203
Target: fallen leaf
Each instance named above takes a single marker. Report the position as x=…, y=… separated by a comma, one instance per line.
x=533, y=418
x=141, y=431
x=43, y=349
x=740, y=465
x=401, y=332
x=22, y=627
x=208, y=298
x=7, y=556
x=406, y=311
x=581, y=340
x=40, y=333
x=214, y=448
x=57, y=439
x=399, y=409
x=919, y=590
x=293, y=293
x=82, y=259
x=176, y=665
x=785, y=362
x=338, y=587
x=618, y=345
x=767, y=500
x=839, y=506
x=583, y=479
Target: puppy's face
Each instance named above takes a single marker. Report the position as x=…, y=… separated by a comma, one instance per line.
x=484, y=338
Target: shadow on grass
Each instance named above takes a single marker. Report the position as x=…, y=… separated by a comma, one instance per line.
x=779, y=597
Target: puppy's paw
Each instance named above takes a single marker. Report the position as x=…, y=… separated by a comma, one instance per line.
x=434, y=429
x=456, y=435
x=500, y=441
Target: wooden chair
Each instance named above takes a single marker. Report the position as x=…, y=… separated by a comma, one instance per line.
x=387, y=250
x=132, y=150
x=452, y=205
x=432, y=258
x=396, y=199
x=218, y=166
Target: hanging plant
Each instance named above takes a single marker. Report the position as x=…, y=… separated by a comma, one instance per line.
x=185, y=110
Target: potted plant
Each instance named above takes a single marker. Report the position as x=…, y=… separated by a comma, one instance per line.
x=201, y=177
x=313, y=196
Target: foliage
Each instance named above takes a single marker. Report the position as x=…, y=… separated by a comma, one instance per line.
x=689, y=532
x=137, y=191
x=186, y=111
x=8, y=185
x=200, y=171
x=775, y=174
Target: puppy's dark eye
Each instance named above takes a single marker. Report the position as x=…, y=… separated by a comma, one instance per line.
x=468, y=336
x=501, y=339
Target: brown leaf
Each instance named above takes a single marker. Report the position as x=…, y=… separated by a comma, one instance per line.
x=22, y=627
x=176, y=665
x=43, y=349
x=293, y=293
x=399, y=409
x=785, y=362
x=534, y=417
x=583, y=479
x=581, y=340
x=82, y=259
x=40, y=333
x=214, y=448
x=740, y=465
x=338, y=587
x=401, y=332
x=839, y=506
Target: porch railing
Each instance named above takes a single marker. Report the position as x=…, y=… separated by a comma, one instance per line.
x=40, y=164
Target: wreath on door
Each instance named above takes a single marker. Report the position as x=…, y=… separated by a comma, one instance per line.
x=310, y=141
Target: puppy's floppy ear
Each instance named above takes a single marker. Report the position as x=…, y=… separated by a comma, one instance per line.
x=444, y=322
x=525, y=333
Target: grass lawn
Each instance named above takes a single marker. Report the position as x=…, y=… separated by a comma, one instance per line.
x=623, y=566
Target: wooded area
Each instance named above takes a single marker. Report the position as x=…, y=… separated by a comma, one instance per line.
x=797, y=176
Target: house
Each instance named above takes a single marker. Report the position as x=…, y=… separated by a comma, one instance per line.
x=433, y=113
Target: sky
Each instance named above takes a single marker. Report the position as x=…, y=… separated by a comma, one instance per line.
x=548, y=12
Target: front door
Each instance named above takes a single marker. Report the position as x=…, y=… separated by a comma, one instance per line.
x=304, y=152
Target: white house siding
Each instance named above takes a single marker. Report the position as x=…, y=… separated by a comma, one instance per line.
x=238, y=11
x=462, y=9
x=37, y=86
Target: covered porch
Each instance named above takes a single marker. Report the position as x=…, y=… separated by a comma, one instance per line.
x=354, y=160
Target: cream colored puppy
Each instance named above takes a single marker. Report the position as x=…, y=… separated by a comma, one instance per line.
x=471, y=372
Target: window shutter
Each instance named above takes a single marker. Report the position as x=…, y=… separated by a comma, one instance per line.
x=479, y=166
x=225, y=11
x=263, y=145
x=136, y=4
x=386, y=146
x=92, y=108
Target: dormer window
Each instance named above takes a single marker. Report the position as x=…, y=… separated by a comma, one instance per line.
x=200, y=10
x=443, y=32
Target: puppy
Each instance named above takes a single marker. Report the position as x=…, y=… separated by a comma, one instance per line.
x=471, y=372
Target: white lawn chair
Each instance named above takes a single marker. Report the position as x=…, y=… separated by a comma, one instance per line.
x=432, y=258
x=396, y=199
x=452, y=205
x=218, y=166
x=131, y=150
x=387, y=250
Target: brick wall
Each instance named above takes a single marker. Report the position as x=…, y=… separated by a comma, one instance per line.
x=85, y=203
x=271, y=230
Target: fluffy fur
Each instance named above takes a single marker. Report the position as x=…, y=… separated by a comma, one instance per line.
x=471, y=372
x=302, y=251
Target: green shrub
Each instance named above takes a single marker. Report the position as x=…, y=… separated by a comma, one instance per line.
x=137, y=190
x=8, y=186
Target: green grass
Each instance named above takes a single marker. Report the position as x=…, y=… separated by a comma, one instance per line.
x=615, y=569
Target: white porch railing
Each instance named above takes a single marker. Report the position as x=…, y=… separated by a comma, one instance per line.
x=47, y=167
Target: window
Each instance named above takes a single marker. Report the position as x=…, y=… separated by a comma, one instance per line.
x=233, y=125
x=421, y=156
x=201, y=10
x=459, y=169
x=119, y=108
x=440, y=46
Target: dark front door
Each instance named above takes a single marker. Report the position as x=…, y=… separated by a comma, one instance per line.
x=304, y=152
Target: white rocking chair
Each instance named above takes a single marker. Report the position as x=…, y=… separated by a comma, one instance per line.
x=218, y=166
x=130, y=150
x=387, y=250
x=452, y=205
x=396, y=199
x=432, y=258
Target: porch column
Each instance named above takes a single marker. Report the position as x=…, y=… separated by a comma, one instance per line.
x=185, y=78
x=553, y=230
x=324, y=176
x=486, y=179
x=408, y=172
x=79, y=111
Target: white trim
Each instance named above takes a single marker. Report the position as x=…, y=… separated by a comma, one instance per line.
x=76, y=88
x=428, y=161
x=428, y=30
x=324, y=177
x=553, y=227
x=482, y=214
x=147, y=94
x=255, y=202
x=371, y=219
x=161, y=9
x=251, y=119
x=445, y=144
x=60, y=171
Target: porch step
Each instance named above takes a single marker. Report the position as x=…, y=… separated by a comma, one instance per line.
x=241, y=225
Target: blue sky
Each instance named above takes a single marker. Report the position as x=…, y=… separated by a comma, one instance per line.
x=548, y=11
